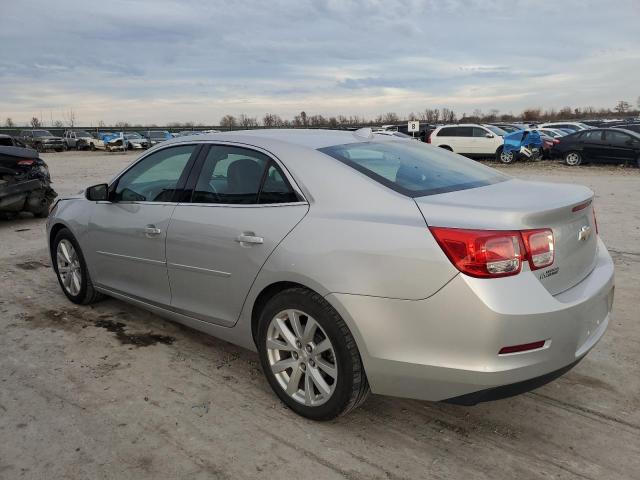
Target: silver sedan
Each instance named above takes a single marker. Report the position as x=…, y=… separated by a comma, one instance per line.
x=352, y=262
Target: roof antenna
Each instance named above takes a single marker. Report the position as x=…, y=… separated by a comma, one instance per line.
x=364, y=132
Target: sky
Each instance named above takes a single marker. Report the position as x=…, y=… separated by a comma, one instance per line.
x=160, y=61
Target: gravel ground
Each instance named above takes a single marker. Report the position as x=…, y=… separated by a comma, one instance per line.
x=110, y=391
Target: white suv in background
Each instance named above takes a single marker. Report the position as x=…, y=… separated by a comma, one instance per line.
x=471, y=140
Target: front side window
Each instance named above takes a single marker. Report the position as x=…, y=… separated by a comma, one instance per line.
x=464, y=132
x=154, y=179
x=414, y=169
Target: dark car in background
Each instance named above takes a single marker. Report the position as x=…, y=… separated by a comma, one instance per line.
x=41, y=140
x=25, y=184
x=157, y=136
x=9, y=141
x=606, y=145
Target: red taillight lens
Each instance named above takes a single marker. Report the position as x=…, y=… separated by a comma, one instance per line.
x=495, y=253
x=540, y=247
x=26, y=162
x=429, y=138
x=482, y=253
x=556, y=141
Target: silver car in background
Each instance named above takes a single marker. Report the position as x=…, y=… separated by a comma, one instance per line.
x=350, y=261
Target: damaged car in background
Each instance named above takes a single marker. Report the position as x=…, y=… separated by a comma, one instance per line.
x=25, y=183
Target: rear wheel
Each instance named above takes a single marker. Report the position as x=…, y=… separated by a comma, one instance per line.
x=71, y=269
x=309, y=356
x=572, y=159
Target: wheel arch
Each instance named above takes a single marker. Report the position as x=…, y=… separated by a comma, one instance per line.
x=264, y=296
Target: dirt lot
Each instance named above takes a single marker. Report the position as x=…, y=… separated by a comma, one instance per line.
x=110, y=391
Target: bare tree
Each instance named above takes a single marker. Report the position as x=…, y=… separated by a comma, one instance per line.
x=448, y=115
x=35, y=123
x=9, y=123
x=622, y=107
x=58, y=124
x=101, y=124
x=390, y=117
x=246, y=121
x=531, y=114
x=121, y=125
x=228, y=121
x=303, y=118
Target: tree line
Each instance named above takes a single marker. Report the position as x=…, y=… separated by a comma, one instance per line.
x=428, y=115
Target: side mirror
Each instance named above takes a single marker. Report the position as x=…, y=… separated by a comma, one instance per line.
x=97, y=193
x=488, y=135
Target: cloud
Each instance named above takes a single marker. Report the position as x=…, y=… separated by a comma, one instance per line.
x=157, y=61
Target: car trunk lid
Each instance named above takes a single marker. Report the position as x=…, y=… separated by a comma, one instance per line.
x=519, y=205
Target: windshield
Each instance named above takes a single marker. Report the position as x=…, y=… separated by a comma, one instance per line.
x=498, y=131
x=82, y=133
x=414, y=169
x=42, y=133
x=132, y=135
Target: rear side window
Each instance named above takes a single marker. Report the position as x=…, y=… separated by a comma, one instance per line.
x=465, y=132
x=448, y=132
x=414, y=169
x=234, y=175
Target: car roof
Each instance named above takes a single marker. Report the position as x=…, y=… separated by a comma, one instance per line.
x=310, y=138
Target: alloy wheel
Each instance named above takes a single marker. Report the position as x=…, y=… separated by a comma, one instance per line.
x=69, y=267
x=572, y=159
x=506, y=157
x=301, y=357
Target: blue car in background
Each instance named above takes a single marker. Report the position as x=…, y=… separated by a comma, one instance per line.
x=521, y=144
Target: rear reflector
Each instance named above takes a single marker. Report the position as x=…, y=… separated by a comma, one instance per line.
x=521, y=348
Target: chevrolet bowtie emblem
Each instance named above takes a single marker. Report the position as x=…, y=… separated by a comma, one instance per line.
x=584, y=233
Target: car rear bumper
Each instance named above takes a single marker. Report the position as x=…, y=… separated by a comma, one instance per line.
x=447, y=345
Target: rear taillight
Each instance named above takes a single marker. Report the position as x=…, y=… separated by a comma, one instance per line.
x=482, y=253
x=26, y=162
x=540, y=247
x=495, y=253
x=429, y=138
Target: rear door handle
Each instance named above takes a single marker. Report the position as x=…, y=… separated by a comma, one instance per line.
x=152, y=231
x=249, y=238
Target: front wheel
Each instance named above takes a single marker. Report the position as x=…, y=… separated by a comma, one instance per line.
x=573, y=159
x=71, y=269
x=309, y=356
x=506, y=157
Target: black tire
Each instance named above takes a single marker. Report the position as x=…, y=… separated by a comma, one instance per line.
x=92, y=147
x=573, y=158
x=352, y=387
x=87, y=293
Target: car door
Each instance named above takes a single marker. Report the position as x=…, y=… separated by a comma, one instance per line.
x=242, y=206
x=620, y=147
x=127, y=234
x=482, y=144
x=465, y=142
x=592, y=145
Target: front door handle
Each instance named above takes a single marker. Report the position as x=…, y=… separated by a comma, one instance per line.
x=151, y=231
x=249, y=238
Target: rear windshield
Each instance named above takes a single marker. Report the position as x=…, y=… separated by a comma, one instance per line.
x=414, y=169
